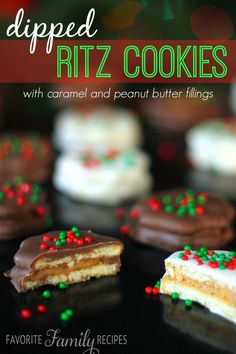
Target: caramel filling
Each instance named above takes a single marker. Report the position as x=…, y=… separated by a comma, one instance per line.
x=84, y=270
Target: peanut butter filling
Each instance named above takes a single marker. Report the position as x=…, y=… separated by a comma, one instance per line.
x=209, y=288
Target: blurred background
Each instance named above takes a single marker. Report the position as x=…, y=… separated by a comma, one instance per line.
x=164, y=122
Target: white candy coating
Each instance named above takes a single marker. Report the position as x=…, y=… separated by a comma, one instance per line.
x=110, y=182
x=100, y=127
x=177, y=270
x=212, y=146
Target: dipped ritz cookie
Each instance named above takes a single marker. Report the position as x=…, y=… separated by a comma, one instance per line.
x=106, y=177
x=218, y=138
x=69, y=256
x=171, y=219
x=97, y=127
x=26, y=155
x=23, y=209
x=205, y=276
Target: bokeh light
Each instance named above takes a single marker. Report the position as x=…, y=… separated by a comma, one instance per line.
x=122, y=16
x=211, y=22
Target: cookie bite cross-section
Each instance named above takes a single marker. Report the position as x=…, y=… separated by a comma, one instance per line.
x=71, y=256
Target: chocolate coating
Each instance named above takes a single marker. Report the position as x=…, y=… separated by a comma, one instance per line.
x=30, y=251
x=169, y=231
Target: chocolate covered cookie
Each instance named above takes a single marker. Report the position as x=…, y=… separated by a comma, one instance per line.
x=23, y=209
x=27, y=155
x=171, y=219
x=69, y=256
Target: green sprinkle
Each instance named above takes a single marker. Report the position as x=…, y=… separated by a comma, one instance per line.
x=49, y=222
x=1, y=195
x=19, y=179
x=181, y=255
x=188, y=303
x=77, y=234
x=192, y=212
x=74, y=229
x=36, y=188
x=187, y=248
x=189, y=191
x=58, y=243
x=232, y=254
x=204, y=249
x=179, y=198
x=169, y=208
x=69, y=312
x=35, y=198
x=62, y=234
x=62, y=285
x=158, y=284
x=175, y=296
x=205, y=258
x=63, y=240
x=64, y=316
x=46, y=294
x=166, y=199
x=222, y=266
x=180, y=211
x=201, y=200
x=222, y=256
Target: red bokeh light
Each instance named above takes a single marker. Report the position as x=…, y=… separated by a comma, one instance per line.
x=211, y=22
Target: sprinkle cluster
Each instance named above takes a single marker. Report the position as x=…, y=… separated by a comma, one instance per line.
x=27, y=147
x=214, y=259
x=153, y=290
x=19, y=191
x=188, y=203
x=92, y=160
x=73, y=236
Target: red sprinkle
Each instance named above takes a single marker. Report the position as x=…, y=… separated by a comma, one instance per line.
x=52, y=249
x=155, y=291
x=25, y=313
x=211, y=253
x=55, y=239
x=199, y=262
x=43, y=246
x=187, y=253
x=69, y=240
x=20, y=201
x=153, y=203
x=185, y=258
x=231, y=266
x=200, y=210
x=134, y=214
x=196, y=256
x=41, y=308
x=119, y=213
x=80, y=242
x=46, y=238
x=213, y=264
x=148, y=290
x=88, y=239
x=40, y=211
x=124, y=230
